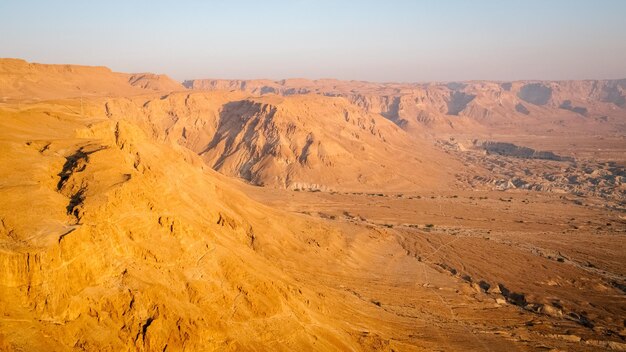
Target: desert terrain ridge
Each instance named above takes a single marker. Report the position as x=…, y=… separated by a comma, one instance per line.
x=140, y=214
x=524, y=106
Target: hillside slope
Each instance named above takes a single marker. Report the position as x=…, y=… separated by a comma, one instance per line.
x=114, y=237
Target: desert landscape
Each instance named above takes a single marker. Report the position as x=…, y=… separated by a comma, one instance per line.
x=298, y=175
x=139, y=213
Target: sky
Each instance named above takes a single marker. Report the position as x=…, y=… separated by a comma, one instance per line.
x=384, y=40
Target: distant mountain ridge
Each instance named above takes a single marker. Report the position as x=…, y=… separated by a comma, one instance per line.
x=454, y=106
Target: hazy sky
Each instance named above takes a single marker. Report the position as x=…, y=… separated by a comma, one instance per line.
x=385, y=40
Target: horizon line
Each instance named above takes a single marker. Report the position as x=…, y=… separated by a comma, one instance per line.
x=278, y=80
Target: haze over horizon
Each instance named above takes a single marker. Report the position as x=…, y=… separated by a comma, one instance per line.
x=406, y=41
